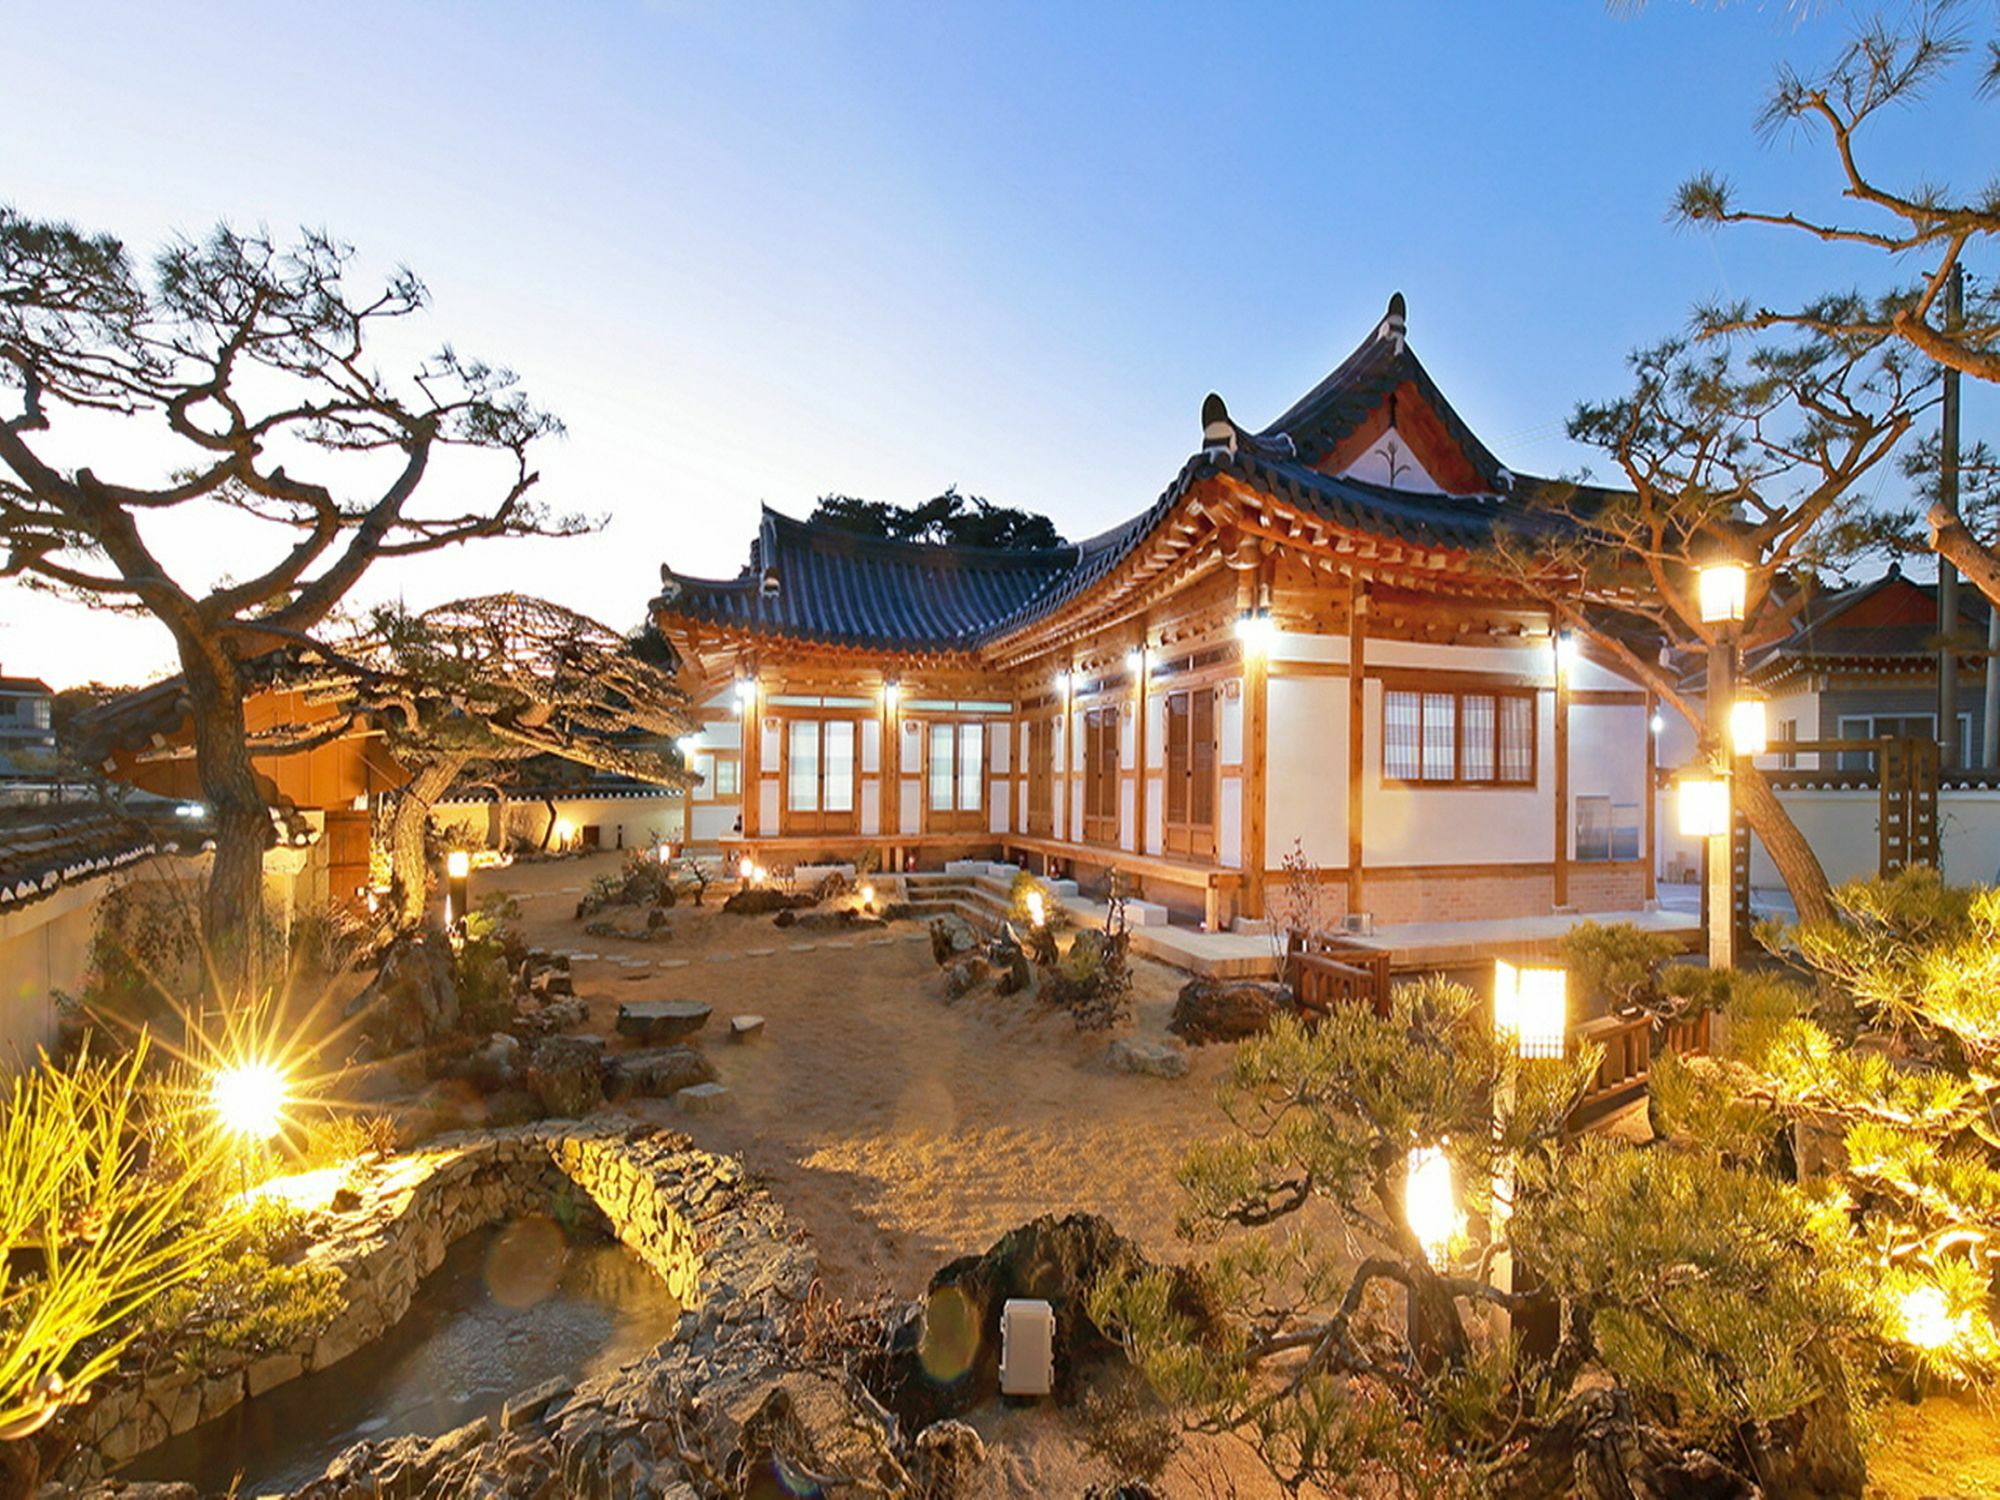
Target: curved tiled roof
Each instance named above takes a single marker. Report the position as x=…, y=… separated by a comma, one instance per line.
x=819, y=583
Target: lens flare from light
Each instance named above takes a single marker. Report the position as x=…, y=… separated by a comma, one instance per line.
x=249, y=1099
x=1927, y=1319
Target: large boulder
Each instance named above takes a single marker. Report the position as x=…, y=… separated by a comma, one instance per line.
x=964, y=975
x=413, y=998
x=762, y=900
x=946, y=1361
x=1227, y=1010
x=657, y=1073
x=565, y=1074
x=662, y=1022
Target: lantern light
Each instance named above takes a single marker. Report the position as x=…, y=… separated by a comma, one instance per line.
x=1658, y=723
x=1135, y=661
x=1722, y=589
x=1927, y=1319
x=892, y=692
x=1430, y=1202
x=458, y=864
x=1062, y=683
x=564, y=832
x=745, y=866
x=1704, y=806
x=687, y=744
x=867, y=895
x=1256, y=630
x=746, y=693
x=1568, y=651
x=1531, y=1003
x=1038, y=909
x=1749, y=731
x=249, y=1099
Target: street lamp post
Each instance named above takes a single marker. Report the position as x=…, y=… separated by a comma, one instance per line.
x=1722, y=588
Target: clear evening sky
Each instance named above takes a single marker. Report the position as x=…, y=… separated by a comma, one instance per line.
x=760, y=252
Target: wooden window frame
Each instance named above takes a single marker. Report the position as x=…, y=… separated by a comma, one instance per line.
x=1458, y=690
x=1101, y=728
x=819, y=821
x=1042, y=735
x=958, y=819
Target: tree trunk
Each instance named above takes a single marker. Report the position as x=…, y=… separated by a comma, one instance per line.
x=1797, y=865
x=1956, y=544
x=409, y=871
x=233, y=904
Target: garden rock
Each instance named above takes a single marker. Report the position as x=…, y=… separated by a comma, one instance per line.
x=951, y=934
x=948, y=1455
x=762, y=900
x=746, y=1028
x=662, y=1021
x=413, y=998
x=497, y=1063
x=702, y=1099
x=1058, y=1260
x=659, y=1073
x=964, y=976
x=565, y=1076
x=1226, y=1010
x=1155, y=1059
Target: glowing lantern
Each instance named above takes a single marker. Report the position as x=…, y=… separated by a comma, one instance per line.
x=1704, y=806
x=1062, y=683
x=1531, y=1004
x=249, y=1099
x=868, y=895
x=1927, y=1319
x=564, y=831
x=1722, y=589
x=1038, y=908
x=1430, y=1201
x=458, y=864
x=746, y=693
x=892, y=690
x=1568, y=650
x=1748, y=730
x=745, y=867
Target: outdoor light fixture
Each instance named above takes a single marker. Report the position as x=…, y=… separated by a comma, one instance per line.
x=1430, y=1201
x=1568, y=650
x=1748, y=730
x=1722, y=588
x=458, y=864
x=1704, y=806
x=1657, y=724
x=249, y=1099
x=746, y=693
x=1038, y=908
x=891, y=691
x=687, y=744
x=1531, y=1003
x=1927, y=1319
x=1135, y=661
x=868, y=895
x=745, y=866
x=564, y=832
x=1062, y=683
x=1256, y=630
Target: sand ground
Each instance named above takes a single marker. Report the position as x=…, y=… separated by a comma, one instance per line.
x=900, y=1131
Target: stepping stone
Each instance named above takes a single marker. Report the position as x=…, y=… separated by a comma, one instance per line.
x=746, y=1028
x=656, y=1072
x=759, y=952
x=880, y=942
x=1159, y=1059
x=662, y=1021
x=720, y=958
x=673, y=963
x=805, y=947
x=702, y=1099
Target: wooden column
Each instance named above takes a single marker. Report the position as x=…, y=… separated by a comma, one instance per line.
x=1357, y=732
x=1652, y=809
x=1139, y=747
x=752, y=733
x=889, y=814
x=1561, y=771
x=1256, y=759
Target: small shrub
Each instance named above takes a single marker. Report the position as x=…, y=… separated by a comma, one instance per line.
x=1614, y=962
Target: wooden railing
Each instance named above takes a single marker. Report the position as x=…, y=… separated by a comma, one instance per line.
x=1327, y=972
x=1628, y=1045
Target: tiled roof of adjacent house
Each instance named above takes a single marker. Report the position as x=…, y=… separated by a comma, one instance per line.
x=46, y=846
x=818, y=583
x=1887, y=622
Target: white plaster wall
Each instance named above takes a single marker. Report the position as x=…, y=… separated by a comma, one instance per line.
x=722, y=734
x=1607, y=756
x=767, y=805
x=1843, y=829
x=711, y=822
x=871, y=746
x=871, y=804
x=646, y=820
x=1306, y=718
x=1456, y=825
x=910, y=811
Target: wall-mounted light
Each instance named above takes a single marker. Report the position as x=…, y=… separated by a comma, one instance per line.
x=1703, y=802
x=746, y=693
x=892, y=692
x=1062, y=684
x=1722, y=589
x=1657, y=724
x=458, y=864
x=1256, y=630
x=564, y=832
x=1569, y=651
x=1135, y=661
x=1749, y=730
x=687, y=744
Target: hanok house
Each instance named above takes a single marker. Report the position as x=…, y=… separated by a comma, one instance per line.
x=1296, y=642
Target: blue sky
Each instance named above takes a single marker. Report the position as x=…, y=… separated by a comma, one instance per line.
x=758, y=252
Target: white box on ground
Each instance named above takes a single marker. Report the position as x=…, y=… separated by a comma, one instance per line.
x=1027, y=1347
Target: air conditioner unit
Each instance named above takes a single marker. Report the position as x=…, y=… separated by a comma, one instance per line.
x=1358, y=924
x=1027, y=1347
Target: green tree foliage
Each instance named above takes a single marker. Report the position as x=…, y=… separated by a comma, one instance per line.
x=1360, y=1340
x=1885, y=1077
x=960, y=520
x=1615, y=964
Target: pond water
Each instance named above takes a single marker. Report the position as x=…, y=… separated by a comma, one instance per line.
x=511, y=1306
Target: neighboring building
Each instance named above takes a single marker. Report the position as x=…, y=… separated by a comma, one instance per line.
x=1863, y=663
x=27, y=729
x=1296, y=642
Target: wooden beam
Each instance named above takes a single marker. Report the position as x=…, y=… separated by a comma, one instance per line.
x=1652, y=794
x=1357, y=742
x=1561, y=854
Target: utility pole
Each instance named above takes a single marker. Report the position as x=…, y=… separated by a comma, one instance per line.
x=1950, y=752
x=1720, y=872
